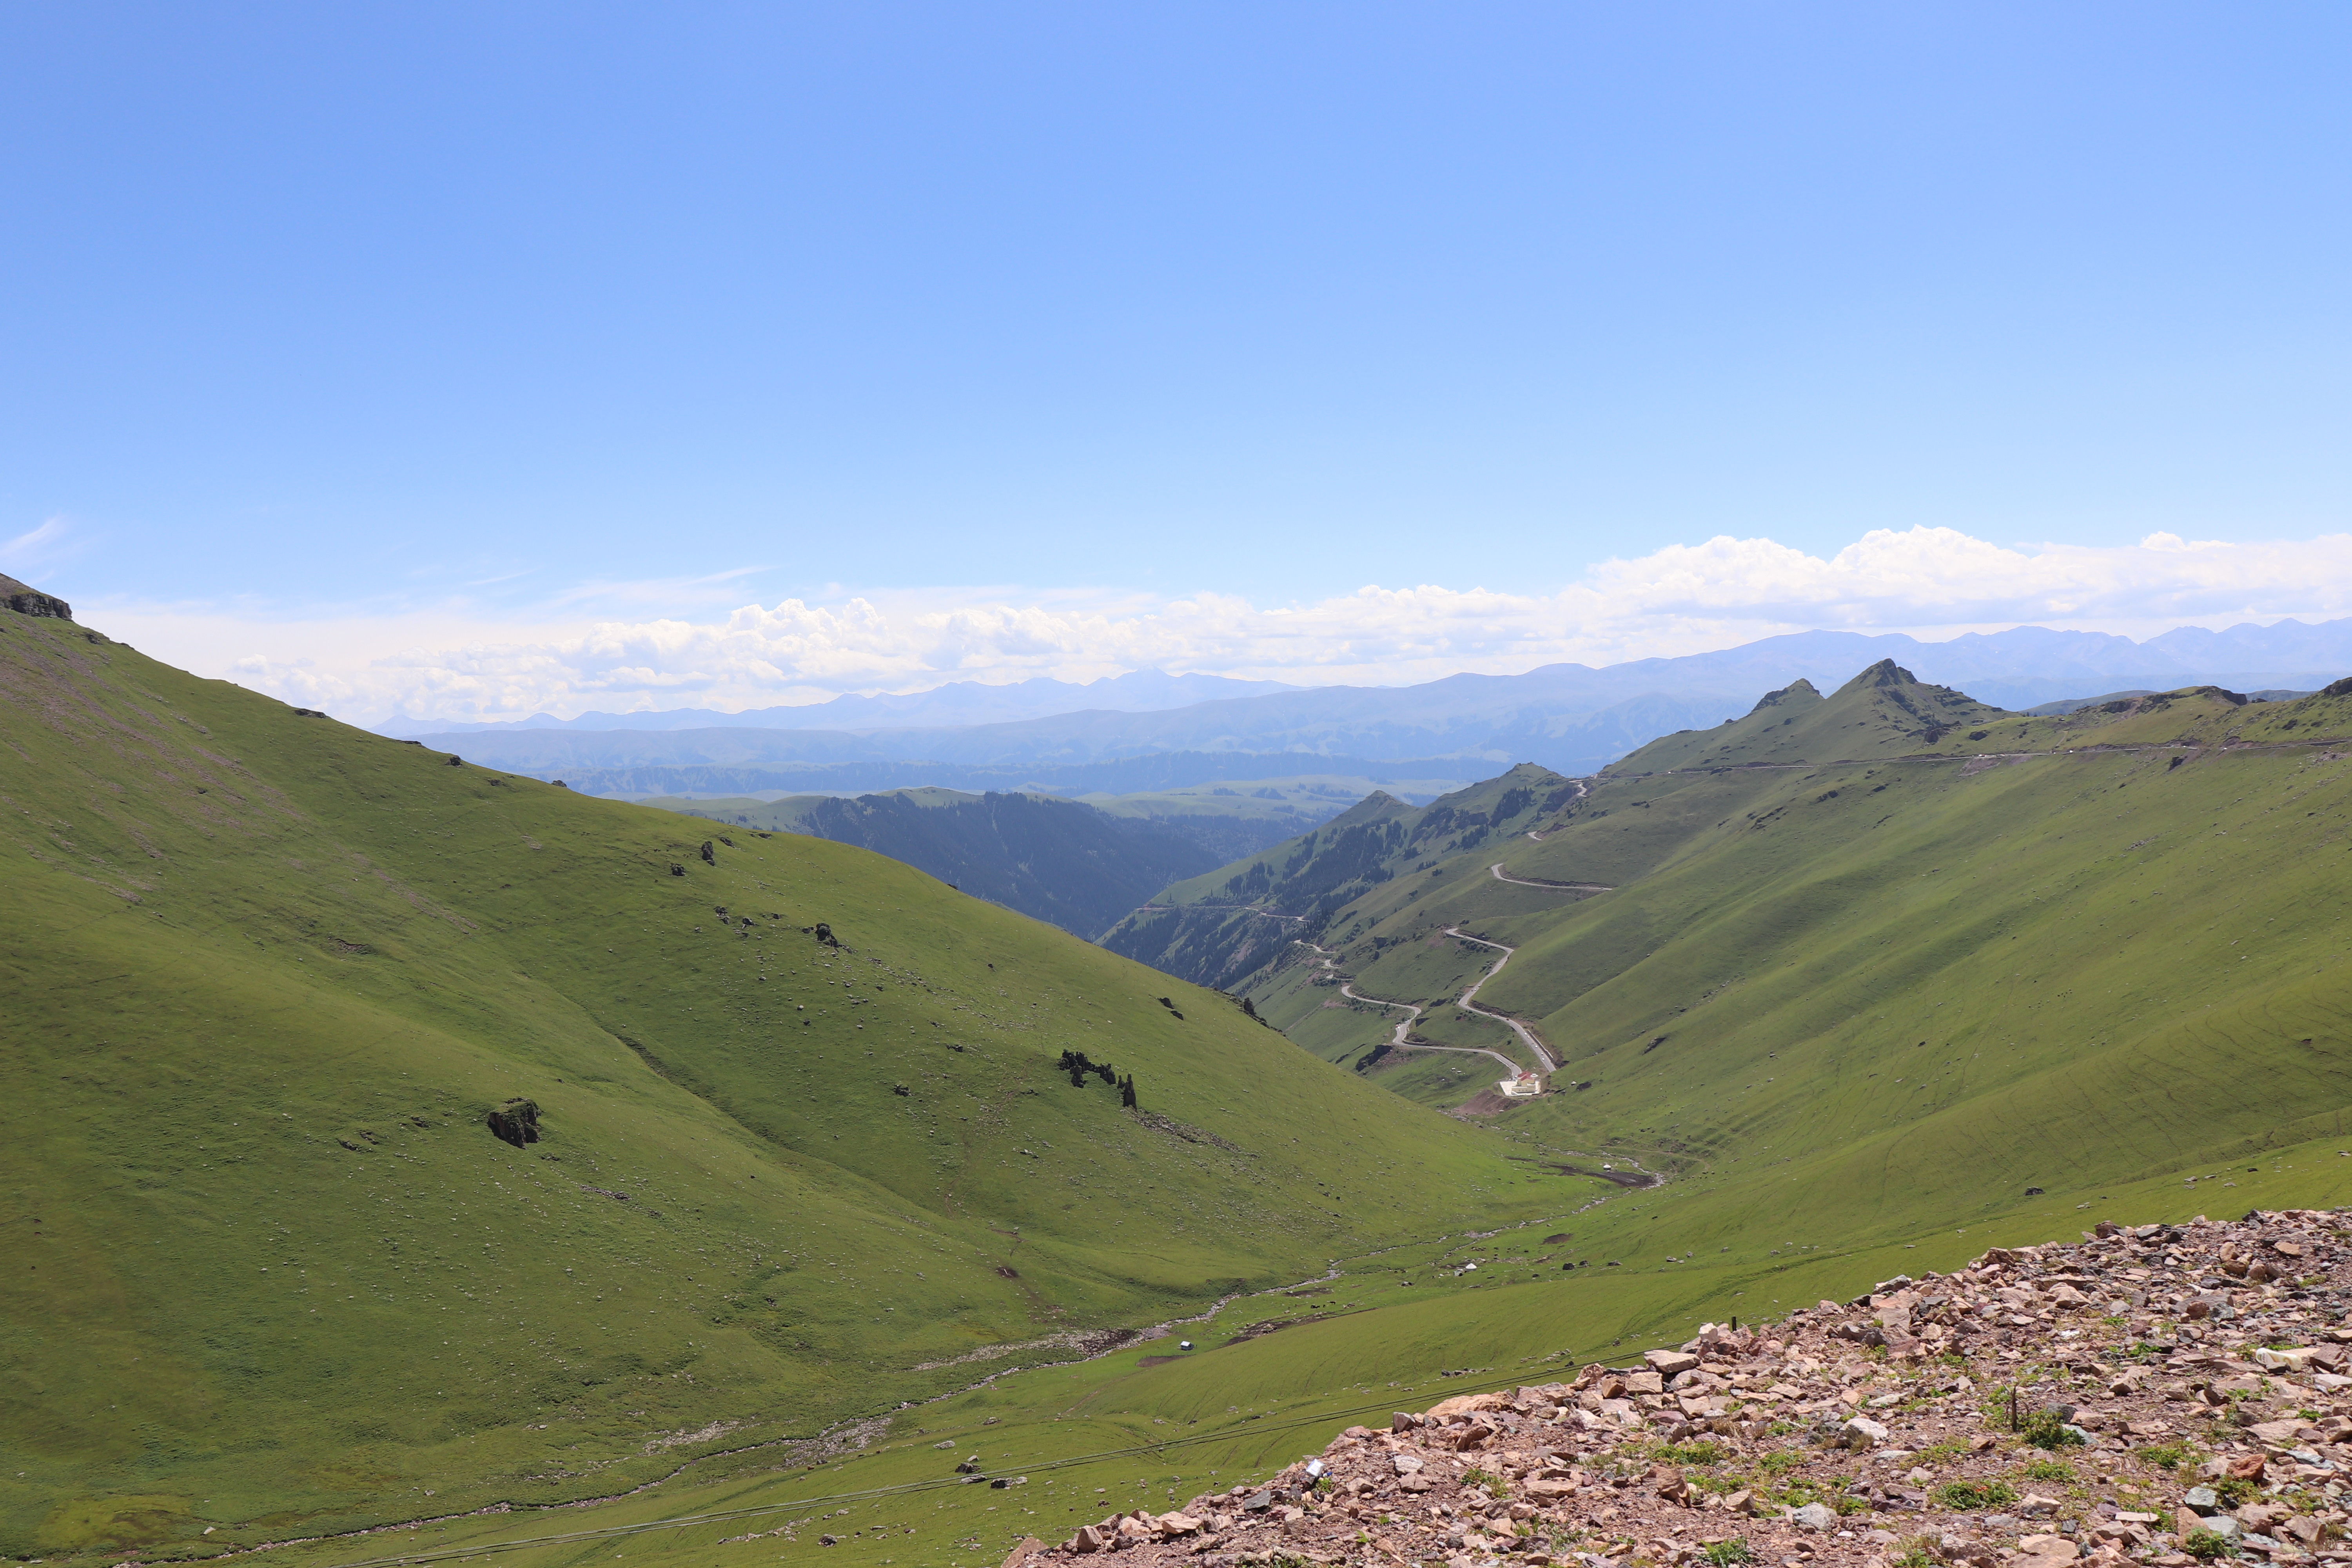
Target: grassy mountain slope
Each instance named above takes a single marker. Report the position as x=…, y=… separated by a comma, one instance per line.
x=1059, y=860
x=1935, y=969
x=271, y=1271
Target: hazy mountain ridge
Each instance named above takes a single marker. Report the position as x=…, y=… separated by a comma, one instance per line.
x=958, y=702
x=1568, y=717
x=1424, y=778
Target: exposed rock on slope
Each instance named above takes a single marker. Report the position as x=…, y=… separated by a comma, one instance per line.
x=2153, y=1395
x=27, y=600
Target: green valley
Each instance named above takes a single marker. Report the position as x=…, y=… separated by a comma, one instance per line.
x=272, y=1272
x=1856, y=984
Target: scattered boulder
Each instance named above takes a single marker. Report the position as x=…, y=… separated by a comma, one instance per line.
x=1861, y=1432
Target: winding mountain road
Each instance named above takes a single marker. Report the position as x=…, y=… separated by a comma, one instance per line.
x=1413, y=1010
x=1468, y=1002
x=1583, y=789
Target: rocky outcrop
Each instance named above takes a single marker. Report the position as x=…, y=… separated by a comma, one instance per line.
x=2160, y=1394
x=516, y=1121
x=27, y=600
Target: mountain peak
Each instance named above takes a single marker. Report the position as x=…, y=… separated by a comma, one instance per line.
x=1884, y=710
x=1798, y=693
x=1884, y=673
x=1377, y=803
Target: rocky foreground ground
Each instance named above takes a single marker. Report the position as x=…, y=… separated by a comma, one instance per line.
x=2164, y=1395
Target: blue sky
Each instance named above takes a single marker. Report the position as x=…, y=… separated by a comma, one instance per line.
x=448, y=319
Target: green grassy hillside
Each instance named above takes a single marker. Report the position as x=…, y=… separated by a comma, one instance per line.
x=2075, y=948
x=272, y=1274
x=1769, y=907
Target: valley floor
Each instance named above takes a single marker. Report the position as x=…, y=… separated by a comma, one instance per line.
x=1276, y=1376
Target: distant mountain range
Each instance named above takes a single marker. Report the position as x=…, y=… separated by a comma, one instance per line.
x=1412, y=780
x=960, y=702
x=1569, y=717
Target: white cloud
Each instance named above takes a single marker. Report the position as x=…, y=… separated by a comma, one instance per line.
x=1681, y=599
x=32, y=545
